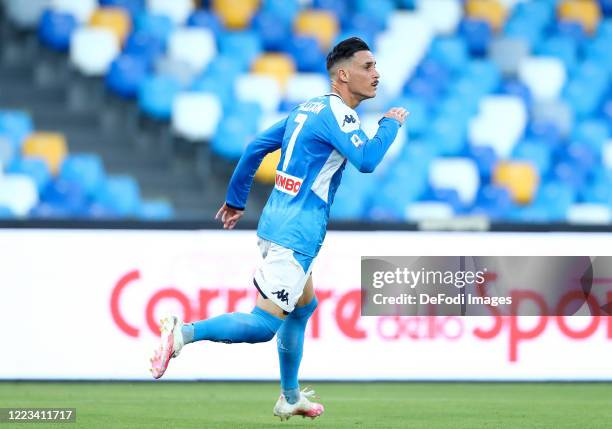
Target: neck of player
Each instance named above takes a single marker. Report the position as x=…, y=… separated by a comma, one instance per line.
x=350, y=99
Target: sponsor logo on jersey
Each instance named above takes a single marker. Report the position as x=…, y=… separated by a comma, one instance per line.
x=356, y=140
x=312, y=106
x=282, y=296
x=348, y=119
x=288, y=184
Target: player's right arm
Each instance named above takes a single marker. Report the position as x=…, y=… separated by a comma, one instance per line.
x=242, y=179
x=364, y=153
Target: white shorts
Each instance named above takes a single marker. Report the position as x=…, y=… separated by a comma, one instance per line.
x=282, y=275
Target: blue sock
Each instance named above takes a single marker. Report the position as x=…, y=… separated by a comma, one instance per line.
x=290, y=343
x=255, y=327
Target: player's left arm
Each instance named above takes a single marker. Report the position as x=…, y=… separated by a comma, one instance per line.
x=242, y=179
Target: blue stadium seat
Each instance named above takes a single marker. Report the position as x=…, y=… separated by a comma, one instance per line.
x=378, y=11
x=582, y=155
x=435, y=72
x=555, y=198
x=68, y=197
x=272, y=29
x=159, y=26
x=15, y=124
x=144, y=44
x=448, y=134
x=569, y=175
x=156, y=210
x=244, y=46
x=606, y=7
x=121, y=194
x=519, y=89
x=419, y=114
x=483, y=72
x=340, y=9
x=222, y=88
x=521, y=28
x=6, y=213
x=485, y=158
x=134, y=7
x=599, y=189
x=494, y=202
x=205, y=19
x=35, y=168
x=360, y=23
x=546, y=131
x=126, y=74
x=450, y=51
x=251, y=112
x=306, y=53
x=225, y=67
x=285, y=9
x=536, y=152
x=55, y=29
x=477, y=34
x=573, y=30
x=561, y=47
x=593, y=132
x=156, y=95
x=232, y=136
x=85, y=169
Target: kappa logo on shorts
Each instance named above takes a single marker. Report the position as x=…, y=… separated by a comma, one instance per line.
x=282, y=295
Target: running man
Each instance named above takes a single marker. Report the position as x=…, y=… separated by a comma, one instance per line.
x=316, y=139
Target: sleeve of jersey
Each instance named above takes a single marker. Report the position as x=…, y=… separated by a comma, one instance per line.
x=364, y=153
x=242, y=179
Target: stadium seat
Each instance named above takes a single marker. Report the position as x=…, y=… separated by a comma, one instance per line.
x=159, y=26
x=508, y=53
x=145, y=45
x=126, y=74
x=133, y=7
x=55, y=30
x=485, y=158
x=121, y=194
x=555, y=198
x=232, y=136
x=235, y=14
x=179, y=70
x=85, y=169
x=320, y=24
x=459, y=174
x=561, y=47
x=593, y=132
x=286, y=10
x=450, y=51
x=205, y=19
x=18, y=193
x=477, y=34
x=272, y=29
x=266, y=173
x=195, y=116
x=177, y=10
x=114, y=19
x=606, y=154
x=520, y=178
x=51, y=147
x=92, y=50
x=589, y=214
x=252, y=114
x=544, y=76
x=586, y=12
x=419, y=114
x=80, y=9
x=444, y=16
x=195, y=46
x=378, y=13
x=156, y=95
x=156, y=210
x=500, y=123
x=34, y=168
x=303, y=86
x=536, y=152
x=448, y=134
x=8, y=152
x=16, y=125
x=276, y=65
x=25, y=15
x=557, y=113
x=244, y=46
x=491, y=11
x=426, y=210
x=260, y=89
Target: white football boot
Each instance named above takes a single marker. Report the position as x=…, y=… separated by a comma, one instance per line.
x=303, y=407
x=170, y=345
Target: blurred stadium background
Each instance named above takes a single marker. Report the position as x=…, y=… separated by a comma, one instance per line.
x=131, y=114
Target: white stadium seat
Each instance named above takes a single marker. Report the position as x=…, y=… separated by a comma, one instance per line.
x=18, y=192
x=304, y=86
x=460, y=174
x=500, y=123
x=25, y=14
x=593, y=214
x=606, y=154
x=80, y=9
x=426, y=210
x=260, y=89
x=544, y=76
x=443, y=15
x=177, y=10
x=92, y=50
x=195, y=115
x=195, y=46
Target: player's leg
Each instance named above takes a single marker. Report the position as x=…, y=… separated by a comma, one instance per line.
x=290, y=342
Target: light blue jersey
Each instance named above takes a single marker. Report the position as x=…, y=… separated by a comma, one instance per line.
x=315, y=139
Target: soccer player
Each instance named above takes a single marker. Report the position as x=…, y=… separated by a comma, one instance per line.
x=316, y=139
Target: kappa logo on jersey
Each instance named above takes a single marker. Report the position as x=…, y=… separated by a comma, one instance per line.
x=282, y=295
x=348, y=119
x=288, y=184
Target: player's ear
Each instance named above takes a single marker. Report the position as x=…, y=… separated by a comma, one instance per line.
x=343, y=75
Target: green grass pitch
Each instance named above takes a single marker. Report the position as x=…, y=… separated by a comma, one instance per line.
x=348, y=405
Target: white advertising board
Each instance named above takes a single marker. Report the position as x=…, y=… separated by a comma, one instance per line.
x=84, y=305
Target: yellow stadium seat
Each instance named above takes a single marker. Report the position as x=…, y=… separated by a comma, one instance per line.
x=586, y=12
x=520, y=178
x=278, y=66
x=51, y=147
x=319, y=24
x=267, y=170
x=114, y=19
x=491, y=11
x=235, y=14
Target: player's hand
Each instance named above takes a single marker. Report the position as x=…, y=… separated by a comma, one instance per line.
x=229, y=216
x=398, y=113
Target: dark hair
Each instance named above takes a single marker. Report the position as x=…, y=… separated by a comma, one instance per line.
x=345, y=49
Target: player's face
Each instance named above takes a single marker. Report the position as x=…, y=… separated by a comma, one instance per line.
x=363, y=75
